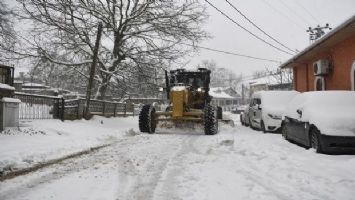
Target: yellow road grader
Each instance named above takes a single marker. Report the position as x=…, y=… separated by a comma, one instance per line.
x=187, y=92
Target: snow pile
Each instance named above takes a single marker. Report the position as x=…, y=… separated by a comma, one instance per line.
x=10, y=100
x=42, y=140
x=332, y=112
x=6, y=87
x=178, y=88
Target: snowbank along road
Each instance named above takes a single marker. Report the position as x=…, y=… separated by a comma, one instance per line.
x=238, y=163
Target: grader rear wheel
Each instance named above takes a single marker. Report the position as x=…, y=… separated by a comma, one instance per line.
x=146, y=119
x=210, y=120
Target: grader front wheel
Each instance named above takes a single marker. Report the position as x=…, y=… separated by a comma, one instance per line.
x=210, y=121
x=146, y=119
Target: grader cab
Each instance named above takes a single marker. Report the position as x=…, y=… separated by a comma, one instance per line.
x=187, y=92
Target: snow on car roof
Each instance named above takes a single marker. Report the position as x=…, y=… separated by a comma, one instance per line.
x=275, y=101
x=330, y=111
x=275, y=97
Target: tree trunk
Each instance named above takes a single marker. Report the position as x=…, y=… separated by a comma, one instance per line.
x=101, y=90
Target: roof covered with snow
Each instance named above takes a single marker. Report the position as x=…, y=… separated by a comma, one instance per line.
x=266, y=80
x=6, y=87
x=30, y=84
x=219, y=92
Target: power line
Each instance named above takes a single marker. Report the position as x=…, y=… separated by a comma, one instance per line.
x=286, y=16
x=223, y=51
x=275, y=47
x=245, y=17
x=236, y=54
x=307, y=11
x=294, y=12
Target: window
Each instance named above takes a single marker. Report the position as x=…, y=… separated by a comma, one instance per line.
x=352, y=76
x=319, y=84
x=255, y=102
x=4, y=75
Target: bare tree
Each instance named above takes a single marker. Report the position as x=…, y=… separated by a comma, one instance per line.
x=7, y=33
x=280, y=76
x=221, y=77
x=137, y=34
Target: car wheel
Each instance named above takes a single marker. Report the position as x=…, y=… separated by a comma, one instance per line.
x=241, y=120
x=250, y=124
x=284, y=132
x=263, y=127
x=315, y=140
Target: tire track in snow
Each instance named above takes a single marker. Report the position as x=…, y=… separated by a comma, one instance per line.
x=167, y=185
x=154, y=161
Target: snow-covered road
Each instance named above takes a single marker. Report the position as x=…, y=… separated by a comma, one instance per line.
x=238, y=163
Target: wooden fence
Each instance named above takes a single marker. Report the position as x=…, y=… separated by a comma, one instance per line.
x=52, y=107
x=74, y=109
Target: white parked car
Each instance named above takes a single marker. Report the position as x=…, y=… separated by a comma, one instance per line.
x=324, y=120
x=267, y=107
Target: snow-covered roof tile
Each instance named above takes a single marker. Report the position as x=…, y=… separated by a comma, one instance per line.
x=219, y=92
x=6, y=87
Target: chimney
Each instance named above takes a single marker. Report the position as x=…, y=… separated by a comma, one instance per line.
x=22, y=76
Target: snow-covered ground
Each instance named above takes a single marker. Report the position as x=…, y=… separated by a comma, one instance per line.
x=238, y=163
x=42, y=140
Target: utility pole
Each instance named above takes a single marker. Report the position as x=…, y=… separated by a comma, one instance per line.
x=92, y=71
x=243, y=97
x=317, y=32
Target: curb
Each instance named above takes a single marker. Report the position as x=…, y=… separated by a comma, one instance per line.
x=20, y=172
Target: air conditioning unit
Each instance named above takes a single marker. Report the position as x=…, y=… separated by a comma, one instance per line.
x=321, y=67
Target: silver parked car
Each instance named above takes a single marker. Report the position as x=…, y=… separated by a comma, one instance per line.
x=244, y=116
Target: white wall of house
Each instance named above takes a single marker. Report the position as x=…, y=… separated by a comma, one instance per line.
x=224, y=103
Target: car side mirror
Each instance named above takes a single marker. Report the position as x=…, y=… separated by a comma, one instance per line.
x=299, y=112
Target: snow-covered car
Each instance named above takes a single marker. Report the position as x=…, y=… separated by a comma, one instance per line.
x=324, y=120
x=267, y=107
x=244, y=116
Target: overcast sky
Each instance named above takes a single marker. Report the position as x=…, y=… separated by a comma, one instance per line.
x=285, y=20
